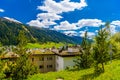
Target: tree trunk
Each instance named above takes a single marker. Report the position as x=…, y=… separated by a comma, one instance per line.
x=102, y=67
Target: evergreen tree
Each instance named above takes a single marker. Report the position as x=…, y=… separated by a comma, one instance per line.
x=115, y=41
x=22, y=67
x=101, y=48
x=84, y=60
x=22, y=39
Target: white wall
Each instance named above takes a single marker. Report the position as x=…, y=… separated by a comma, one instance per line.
x=59, y=63
x=63, y=62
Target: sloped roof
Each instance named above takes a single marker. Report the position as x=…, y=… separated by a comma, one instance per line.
x=9, y=55
x=70, y=51
x=42, y=52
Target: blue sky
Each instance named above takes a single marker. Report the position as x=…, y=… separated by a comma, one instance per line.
x=71, y=17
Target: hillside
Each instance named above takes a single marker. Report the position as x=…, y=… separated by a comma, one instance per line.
x=9, y=31
x=112, y=71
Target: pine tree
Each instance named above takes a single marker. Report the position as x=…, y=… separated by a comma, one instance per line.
x=84, y=60
x=101, y=48
x=22, y=39
x=22, y=67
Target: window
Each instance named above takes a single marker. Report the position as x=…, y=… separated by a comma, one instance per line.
x=32, y=59
x=49, y=58
x=41, y=66
x=41, y=59
x=49, y=66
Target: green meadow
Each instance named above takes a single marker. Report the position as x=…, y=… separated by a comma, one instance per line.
x=45, y=45
x=112, y=72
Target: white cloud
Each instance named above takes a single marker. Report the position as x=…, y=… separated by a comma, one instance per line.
x=70, y=33
x=48, y=16
x=47, y=23
x=89, y=22
x=52, y=6
x=116, y=23
x=96, y=31
x=86, y=22
x=65, y=25
x=44, y=20
x=82, y=33
x=89, y=34
x=12, y=19
x=113, y=29
x=53, y=10
x=36, y=23
x=2, y=10
x=41, y=24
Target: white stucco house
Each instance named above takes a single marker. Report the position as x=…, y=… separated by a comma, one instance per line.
x=65, y=58
x=60, y=59
x=62, y=62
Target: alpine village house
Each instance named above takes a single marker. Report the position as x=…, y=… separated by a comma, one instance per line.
x=52, y=59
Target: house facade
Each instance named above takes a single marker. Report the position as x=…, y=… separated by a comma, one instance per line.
x=62, y=62
x=65, y=58
x=48, y=60
x=44, y=60
x=53, y=59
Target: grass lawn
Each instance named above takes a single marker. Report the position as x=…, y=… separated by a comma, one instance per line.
x=112, y=72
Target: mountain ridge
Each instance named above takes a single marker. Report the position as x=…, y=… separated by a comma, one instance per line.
x=9, y=31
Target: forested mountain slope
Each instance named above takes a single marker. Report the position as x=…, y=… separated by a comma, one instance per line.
x=9, y=31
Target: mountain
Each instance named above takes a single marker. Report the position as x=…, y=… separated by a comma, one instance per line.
x=9, y=31
x=78, y=39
